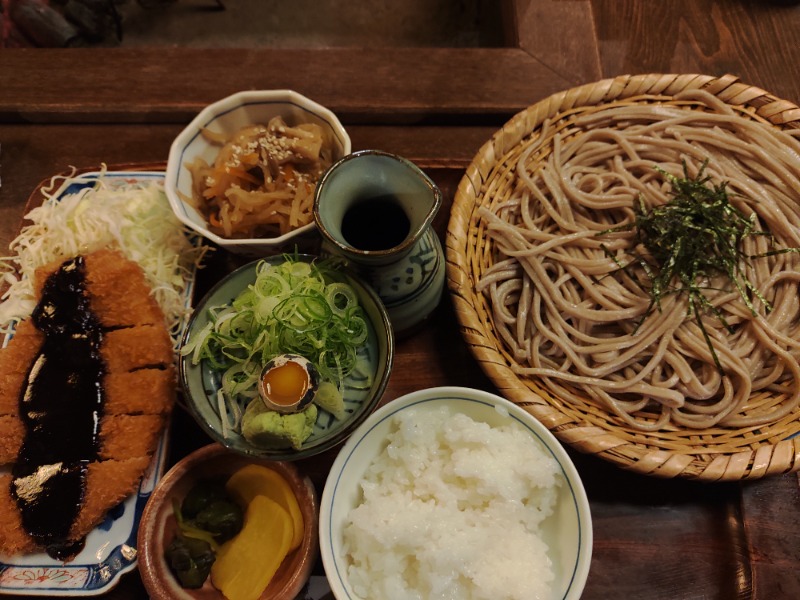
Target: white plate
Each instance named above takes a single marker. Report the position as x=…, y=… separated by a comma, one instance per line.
x=110, y=549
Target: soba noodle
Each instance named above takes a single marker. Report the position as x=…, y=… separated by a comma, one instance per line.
x=573, y=319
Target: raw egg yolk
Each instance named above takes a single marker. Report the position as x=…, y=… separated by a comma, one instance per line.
x=286, y=384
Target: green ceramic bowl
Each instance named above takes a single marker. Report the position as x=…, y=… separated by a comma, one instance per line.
x=201, y=382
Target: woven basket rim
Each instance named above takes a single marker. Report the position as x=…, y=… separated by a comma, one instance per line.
x=716, y=454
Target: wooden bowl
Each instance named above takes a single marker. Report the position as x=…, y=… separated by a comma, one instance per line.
x=158, y=526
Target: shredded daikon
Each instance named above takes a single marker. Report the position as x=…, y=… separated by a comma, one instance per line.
x=131, y=214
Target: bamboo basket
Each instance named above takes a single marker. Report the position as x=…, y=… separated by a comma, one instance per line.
x=714, y=454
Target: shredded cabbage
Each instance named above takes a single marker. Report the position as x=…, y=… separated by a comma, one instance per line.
x=132, y=215
x=293, y=307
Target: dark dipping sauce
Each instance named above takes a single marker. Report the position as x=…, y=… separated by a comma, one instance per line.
x=60, y=405
x=378, y=223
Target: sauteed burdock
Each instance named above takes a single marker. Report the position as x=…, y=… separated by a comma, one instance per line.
x=261, y=183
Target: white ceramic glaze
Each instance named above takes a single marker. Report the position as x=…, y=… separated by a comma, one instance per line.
x=408, y=276
x=227, y=116
x=568, y=532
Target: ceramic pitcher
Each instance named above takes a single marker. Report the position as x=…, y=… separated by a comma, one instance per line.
x=375, y=210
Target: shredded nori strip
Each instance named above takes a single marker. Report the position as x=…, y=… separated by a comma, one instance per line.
x=692, y=239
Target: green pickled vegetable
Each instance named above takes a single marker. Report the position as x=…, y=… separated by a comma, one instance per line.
x=222, y=518
x=190, y=559
x=202, y=494
x=206, y=518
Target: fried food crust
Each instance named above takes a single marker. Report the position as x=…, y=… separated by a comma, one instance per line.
x=139, y=388
x=141, y=347
x=117, y=289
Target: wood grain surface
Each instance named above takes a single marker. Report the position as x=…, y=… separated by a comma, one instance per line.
x=653, y=539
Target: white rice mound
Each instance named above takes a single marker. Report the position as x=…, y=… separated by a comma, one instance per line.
x=452, y=509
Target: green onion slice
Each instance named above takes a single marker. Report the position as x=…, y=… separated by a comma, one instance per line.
x=292, y=307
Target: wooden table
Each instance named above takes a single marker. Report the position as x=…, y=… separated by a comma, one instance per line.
x=653, y=538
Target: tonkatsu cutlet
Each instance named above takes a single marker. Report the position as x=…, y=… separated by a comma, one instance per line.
x=120, y=436
x=140, y=392
x=138, y=347
x=139, y=399
x=16, y=360
x=110, y=482
x=140, y=377
x=12, y=432
x=117, y=289
x=146, y=393
x=96, y=342
x=13, y=537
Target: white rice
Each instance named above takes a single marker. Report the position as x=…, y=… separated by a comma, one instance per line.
x=452, y=510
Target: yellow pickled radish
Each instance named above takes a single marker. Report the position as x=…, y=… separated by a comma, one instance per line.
x=246, y=563
x=256, y=480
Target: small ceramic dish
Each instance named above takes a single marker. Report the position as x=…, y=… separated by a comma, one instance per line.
x=201, y=382
x=567, y=531
x=158, y=526
x=226, y=117
x=376, y=210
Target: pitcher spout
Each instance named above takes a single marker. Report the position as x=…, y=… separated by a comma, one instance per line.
x=375, y=210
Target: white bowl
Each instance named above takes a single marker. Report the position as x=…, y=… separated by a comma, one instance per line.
x=567, y=532
x=227, y=116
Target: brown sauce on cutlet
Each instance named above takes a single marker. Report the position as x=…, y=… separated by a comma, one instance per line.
x=61, y=405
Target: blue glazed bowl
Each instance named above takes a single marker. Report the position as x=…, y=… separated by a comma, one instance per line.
x=201, y=382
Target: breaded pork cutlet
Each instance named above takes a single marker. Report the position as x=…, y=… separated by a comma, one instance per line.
x=121, y=436
x=137, y=347
x=140, y=392
x=110, y=482
x=117, y=288
x=12, y=432
x=137, y=380
x=129, y=436
x=16, y=359
x=13, y=537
